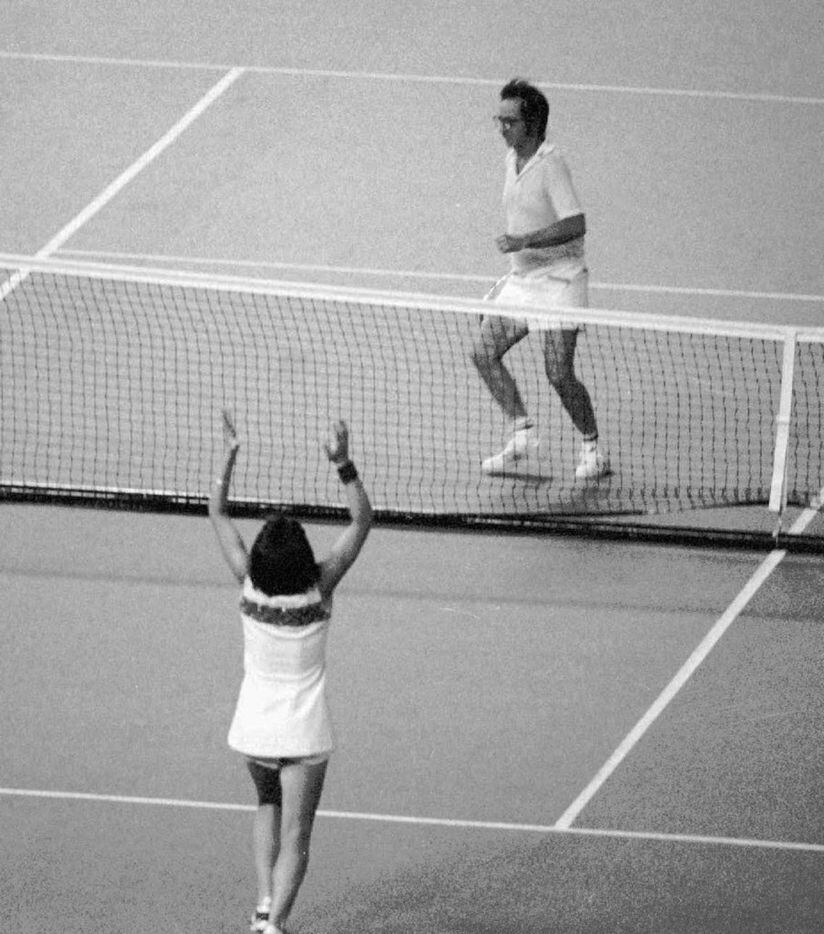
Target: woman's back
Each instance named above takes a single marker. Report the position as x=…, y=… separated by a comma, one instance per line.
x=284, y=635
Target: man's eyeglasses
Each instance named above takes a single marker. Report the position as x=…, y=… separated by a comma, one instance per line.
x=506, y=123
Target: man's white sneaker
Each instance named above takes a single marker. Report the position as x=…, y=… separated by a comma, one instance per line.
x=592, y=464
x=521, y=445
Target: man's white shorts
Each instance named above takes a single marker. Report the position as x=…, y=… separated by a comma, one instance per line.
x=544, y=292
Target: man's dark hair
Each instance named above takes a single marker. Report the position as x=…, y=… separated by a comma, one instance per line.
x=534, y=105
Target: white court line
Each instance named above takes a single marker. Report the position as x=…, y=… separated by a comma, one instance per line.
x=107, y=255
x=125, y=177
x=686, y=671
x=426, y=821
x=719, y=293
x=137, y=167
x=415, y=78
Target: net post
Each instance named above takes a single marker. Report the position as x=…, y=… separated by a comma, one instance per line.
x=778, y=488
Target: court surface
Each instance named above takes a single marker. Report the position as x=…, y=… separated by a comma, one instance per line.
x=534, y=733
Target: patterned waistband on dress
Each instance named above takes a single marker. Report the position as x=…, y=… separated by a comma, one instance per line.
x=284, y=616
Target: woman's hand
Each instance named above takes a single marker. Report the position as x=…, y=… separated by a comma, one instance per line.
x=230, y=441
x=337, y=448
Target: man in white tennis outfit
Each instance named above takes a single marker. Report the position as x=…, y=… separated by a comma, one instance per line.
x=544, y=238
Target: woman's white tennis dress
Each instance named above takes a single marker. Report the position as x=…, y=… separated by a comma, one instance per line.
x=281, y=710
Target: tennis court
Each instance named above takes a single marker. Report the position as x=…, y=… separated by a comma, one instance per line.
x=536, y=732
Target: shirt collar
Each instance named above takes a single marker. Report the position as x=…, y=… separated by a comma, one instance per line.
x=540, y=153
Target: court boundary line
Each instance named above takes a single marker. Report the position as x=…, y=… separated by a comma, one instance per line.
x=760, y=97
x=455, y=823
x=106, y=255
x=682, y=676
x=144, y=160
x=119, y=183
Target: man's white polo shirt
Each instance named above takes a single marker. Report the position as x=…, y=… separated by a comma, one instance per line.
x=539, y=195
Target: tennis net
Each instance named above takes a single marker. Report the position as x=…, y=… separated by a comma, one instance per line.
x=113, y=378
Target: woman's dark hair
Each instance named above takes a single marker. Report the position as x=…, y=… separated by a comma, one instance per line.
x=281, y=560
x=534, y=106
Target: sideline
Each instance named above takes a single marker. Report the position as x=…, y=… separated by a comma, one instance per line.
x=756, y=581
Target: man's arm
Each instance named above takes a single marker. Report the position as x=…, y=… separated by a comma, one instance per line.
x=562, y=231
x=560, y=192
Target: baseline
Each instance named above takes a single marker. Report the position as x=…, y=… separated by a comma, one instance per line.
x=418, y=79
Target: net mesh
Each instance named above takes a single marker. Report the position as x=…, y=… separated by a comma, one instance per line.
x=112, y=386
